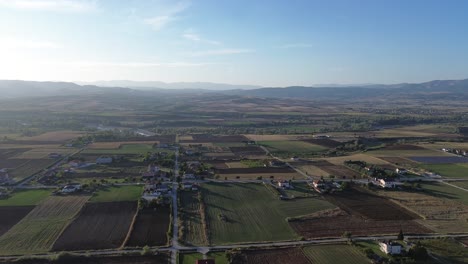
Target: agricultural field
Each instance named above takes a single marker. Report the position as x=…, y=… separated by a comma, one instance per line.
x=324, y=142
x=55, y=136
x=447, y=250
x=192, y=230
x=135, y=149
x=276, y=256
x=39, y=229
x=335, y=254
x=252, y=212
x=361, y=157
x=439, y=160
x=10, y=215
x=25, y=197
x=407, y=153
x=117, y=145
x=160, y=258
x=462, y=184
x=150, y=228
x=312, y=170
x=338, y=171
x=285, y=147
x=29, y=168
x=446, y=191
x=360, y=213
x=272, y=137
x=191, y=258
x=117, y=194
x=448, y=170
x=98, y=226
x=438, y=210
x=40, y=152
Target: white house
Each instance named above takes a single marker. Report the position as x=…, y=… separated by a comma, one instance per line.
x=387, y=183
x=284, y=184
x=401, y=171
x=104, y=160
x=390, y=248
x=71, y=188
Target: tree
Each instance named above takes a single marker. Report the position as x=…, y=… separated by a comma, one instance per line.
x=400, y=235
x=347, y=235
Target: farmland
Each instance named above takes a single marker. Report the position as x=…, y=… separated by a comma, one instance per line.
x=25, y=197
x=192, y=230
x=54, y=136
x=31, y=167
x=251, y=212
x=98, y=226
x=446, y=191
x=150, y=227
x=190, y=258
x=277, y=256
x=448, y=170
x=123, y=149
x=160, y=258
x=12, y=215
x=41, y=227
x=117, y=194
x=335, y=254
x=447, y=250
x=285, y=147
x=439, y=160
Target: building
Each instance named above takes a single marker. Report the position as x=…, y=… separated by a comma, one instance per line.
x=401, y=171
x=71, y=188
x=390, y=248
x=104, y=160
x=387, y=183
x=284, y=184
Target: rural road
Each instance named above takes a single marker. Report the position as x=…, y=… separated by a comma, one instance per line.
x=175, y=229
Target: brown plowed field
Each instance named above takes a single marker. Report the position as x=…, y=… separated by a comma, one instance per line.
x=10, y=215
x=340, y=171
x=326, y=142
x=368, y=205
x=150, y=228
x=361, y=213
x=250, y=150
x=254, y=170
x=203, y=138
x=99, y=226
x=398, y=160
x=277, y=256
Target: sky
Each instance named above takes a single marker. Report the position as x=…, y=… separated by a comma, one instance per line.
x=257, y=42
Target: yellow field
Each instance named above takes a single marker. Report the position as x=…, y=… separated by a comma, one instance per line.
x=441, y=215
x=57, y=136
x=236, y=165
x=187, y=137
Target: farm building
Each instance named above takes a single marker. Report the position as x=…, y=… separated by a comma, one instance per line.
x=390, y=248
x=205, y=261
x=104, y=160
x=71, y=188
x=284, y=184
x=401, y=171
x=387, y=183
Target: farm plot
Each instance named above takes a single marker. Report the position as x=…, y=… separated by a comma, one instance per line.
x=12, y=163
x=361, y=157
x=98, y=226
x=202, y=138
x=38, y=230
x=116, y=145
x=253, y=173
x=29, y=168
x=150, y=228
x=25, y=197
x=403, y=147
x=10, y=215
x=423, y=152
x=399, y=161
x=39, y=152
x=285, y=147
x=11, y=152
x=324, y=142
x=446, y=191
x=190, y=258
x=439, y=210
x=339, y=171
x=277, y=256
x=448, y=170
x=334, y=254
x=247, y=151
x=117, y=194
x=313, y=171
x=192, y=230
x=251, y=212
x=57, y=136
x=439, y=160
x=127, y=149
x=160, y=258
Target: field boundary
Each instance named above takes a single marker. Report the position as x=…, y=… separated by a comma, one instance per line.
x=130, y=229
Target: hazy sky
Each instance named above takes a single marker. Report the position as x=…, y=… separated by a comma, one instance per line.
x=263, y=42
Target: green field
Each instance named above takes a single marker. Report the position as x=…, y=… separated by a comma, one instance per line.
x=335, y=254
x=463, y=184
x=25, y=197
x=447, y=250
x=190, y=258
x=117, y=194
x=31, y=167
x=123, y=149
x=446, y=191
x=38, y=230
x=291, y=146
x=252, y=213
x=459, y=170
x=192, y=228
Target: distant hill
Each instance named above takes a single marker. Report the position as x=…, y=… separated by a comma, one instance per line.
x=433, y=90
x=177, y=85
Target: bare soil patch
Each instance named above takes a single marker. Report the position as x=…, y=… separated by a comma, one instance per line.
x=325, y=142
x=150, y=228
x=99, y=226
x=404, y=147
x=10, y=215
x=277, y=256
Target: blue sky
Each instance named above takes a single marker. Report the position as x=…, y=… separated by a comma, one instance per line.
x=263, y=42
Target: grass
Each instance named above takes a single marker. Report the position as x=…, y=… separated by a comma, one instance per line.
x=123, y=149
x=25, y=197
x=447, y=250
x=252, y=213
x=446, y=191
x=459, y=170
x=462, y=184
x=193, y=231
x=38, y=231
x=117, y=194
x=291, y=146
x=334, y=254
x=30, y=168
x=190, y=258
x=253, y=163
x=372, y=245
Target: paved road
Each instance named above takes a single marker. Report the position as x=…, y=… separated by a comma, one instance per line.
x=175, y=227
